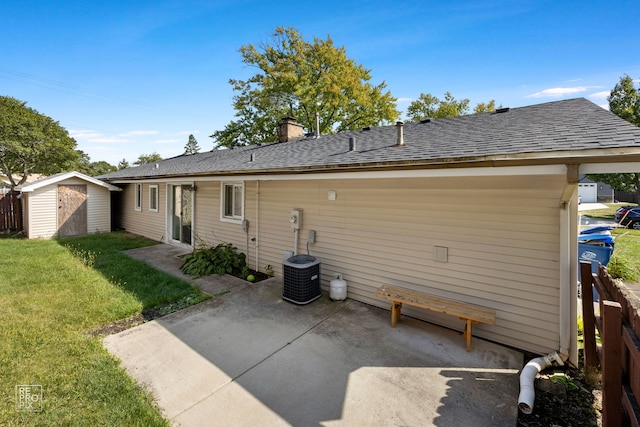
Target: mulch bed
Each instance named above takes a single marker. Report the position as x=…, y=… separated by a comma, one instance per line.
x=124, y=324
x=568, y=401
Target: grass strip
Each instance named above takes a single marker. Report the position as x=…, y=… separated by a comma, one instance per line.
x=625, y=260
x=52, y=294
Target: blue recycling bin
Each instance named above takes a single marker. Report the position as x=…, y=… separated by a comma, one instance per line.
x=605, y=239
x=594, y=254
x=598, y=229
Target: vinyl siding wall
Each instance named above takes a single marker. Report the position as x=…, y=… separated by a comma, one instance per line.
x=502, y=237
x=144, y=222
x=42, y=209
x=501, y=234
x=210, y=229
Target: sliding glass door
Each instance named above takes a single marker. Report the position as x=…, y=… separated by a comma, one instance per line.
x=181, y=213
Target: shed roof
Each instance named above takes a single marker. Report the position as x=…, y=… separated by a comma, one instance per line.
x=573, y=130
x=53, y=179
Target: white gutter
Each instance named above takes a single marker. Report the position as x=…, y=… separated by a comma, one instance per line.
x=412, y=173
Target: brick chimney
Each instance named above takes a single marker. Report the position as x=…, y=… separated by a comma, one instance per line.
x=289, y=129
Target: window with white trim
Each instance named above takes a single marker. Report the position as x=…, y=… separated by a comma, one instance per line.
x=153, y=198
x=138, y=196
x=232, y=200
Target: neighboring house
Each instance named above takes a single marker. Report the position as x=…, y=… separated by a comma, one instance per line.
x=5, y=183
x=66, y=204
x=480, y=208
x=594, y=192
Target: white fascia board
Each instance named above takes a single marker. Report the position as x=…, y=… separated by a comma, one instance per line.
x=415, y=173
x=630, y=167
x=61, y=177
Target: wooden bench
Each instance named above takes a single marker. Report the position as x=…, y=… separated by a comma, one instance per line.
x=468, y=312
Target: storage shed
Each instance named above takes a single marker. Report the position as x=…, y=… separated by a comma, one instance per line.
x=66, y=204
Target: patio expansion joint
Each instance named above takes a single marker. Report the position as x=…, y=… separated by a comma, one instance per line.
x=318, y=323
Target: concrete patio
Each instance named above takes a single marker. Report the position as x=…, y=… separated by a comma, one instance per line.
x=249, y=358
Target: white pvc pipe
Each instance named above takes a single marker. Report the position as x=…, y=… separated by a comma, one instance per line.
x=528, y=375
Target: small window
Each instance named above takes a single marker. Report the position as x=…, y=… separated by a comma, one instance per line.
x=153, y=198
x=233, y=201
x=138, y=191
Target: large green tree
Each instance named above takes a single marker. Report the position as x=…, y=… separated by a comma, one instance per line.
x=489, y=107
x=87, y=167
x=147, y=158
x=624, y=101
x=32, y=143
x=428, y=106
x=299, y=78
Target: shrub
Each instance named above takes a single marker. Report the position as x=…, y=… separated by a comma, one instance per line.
x=220, y=259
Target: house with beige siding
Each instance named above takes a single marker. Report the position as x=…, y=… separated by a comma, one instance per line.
x=66, y=204
x=479, y=208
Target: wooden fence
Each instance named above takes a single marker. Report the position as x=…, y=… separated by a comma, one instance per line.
x=625, y=196
x=10, y=212
x=618, y=321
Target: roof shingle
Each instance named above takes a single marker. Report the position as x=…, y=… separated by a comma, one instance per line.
x=572, y=125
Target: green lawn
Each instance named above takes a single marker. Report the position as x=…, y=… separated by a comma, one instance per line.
x=53, y=294
x=607, y=213
x=625, y=261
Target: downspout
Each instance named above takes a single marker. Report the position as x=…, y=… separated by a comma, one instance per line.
x=257, y=238
x=565, y=280
x=568, y=309
x=568, y=299
x=528, y=375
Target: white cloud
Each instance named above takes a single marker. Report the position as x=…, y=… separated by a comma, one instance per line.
x=558, y=92
x=109, y=140
x=600, y=95
x=96, y=137
x=140, y=133
x=404, y=100
x=605, y=106
x=84, y=134
x=166, y=141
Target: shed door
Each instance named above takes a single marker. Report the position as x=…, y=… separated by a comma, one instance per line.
x=72, y=210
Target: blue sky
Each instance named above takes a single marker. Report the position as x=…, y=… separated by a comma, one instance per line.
x=133, y=77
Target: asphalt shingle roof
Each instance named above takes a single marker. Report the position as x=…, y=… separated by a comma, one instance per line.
x=572, y=125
